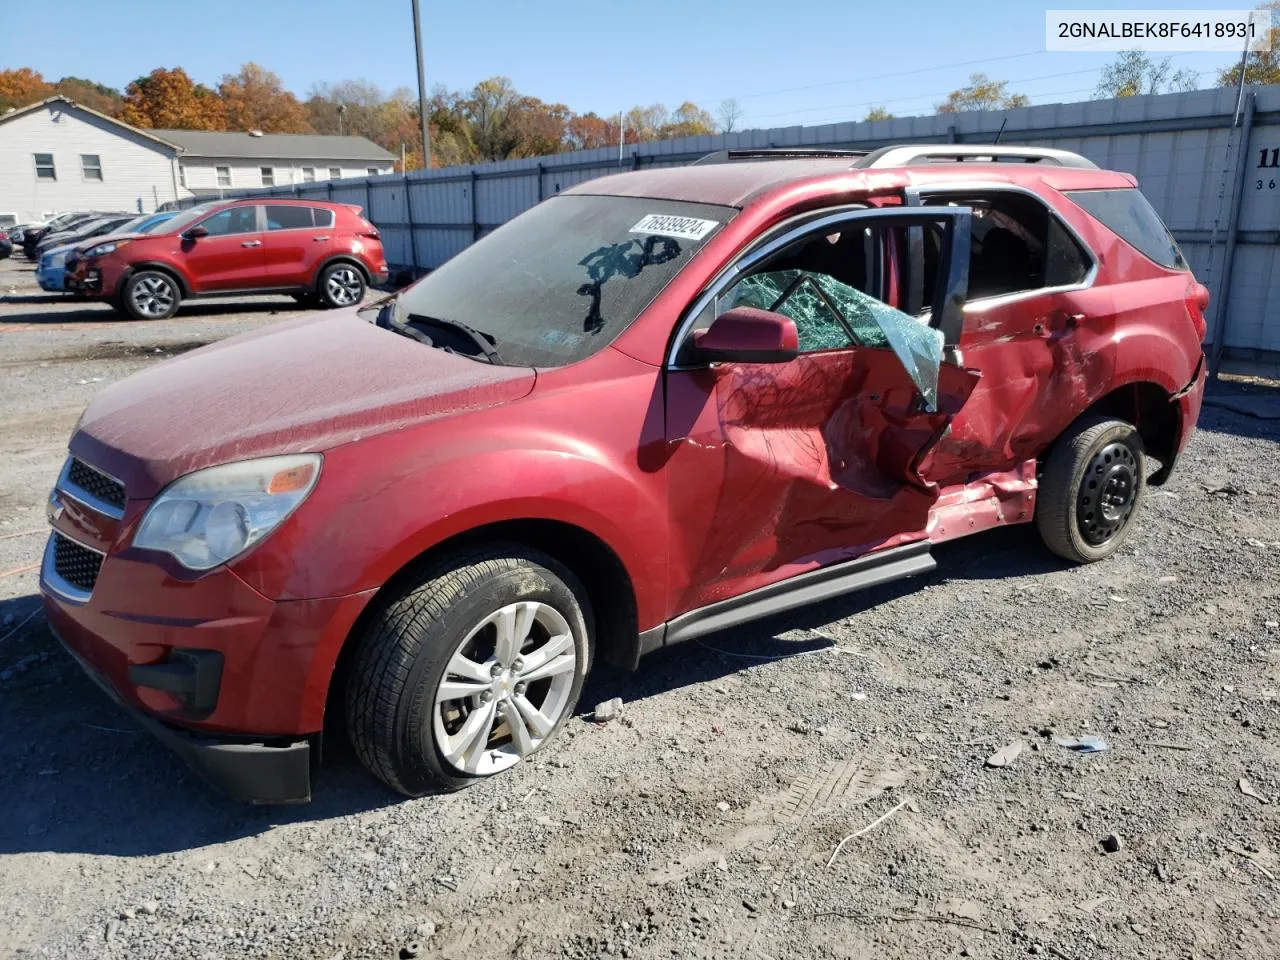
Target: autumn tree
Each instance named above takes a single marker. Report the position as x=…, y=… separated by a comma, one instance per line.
x=256, y=99
x=982, y=93
x=21, y=87
x=1133, y=73
x=729, y=116
x=688, y=120
x=1261, y=67
x=587, y=131
x=95, y=96
x=169, y=99
x=878, y=113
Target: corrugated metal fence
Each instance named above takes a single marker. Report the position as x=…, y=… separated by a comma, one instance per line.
x=1184, y=148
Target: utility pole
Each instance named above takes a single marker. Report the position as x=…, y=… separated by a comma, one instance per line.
x=621, y=128
x=342, y=112
x=422, y=88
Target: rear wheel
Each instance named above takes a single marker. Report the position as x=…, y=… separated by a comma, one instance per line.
x=1091, y=489
x=341, y=285
x=469, y=672
x=151, y=295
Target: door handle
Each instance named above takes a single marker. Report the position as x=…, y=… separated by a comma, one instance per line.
x=252, y=243
x=320, y=239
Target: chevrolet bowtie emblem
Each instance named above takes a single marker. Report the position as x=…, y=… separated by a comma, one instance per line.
x=53, y=509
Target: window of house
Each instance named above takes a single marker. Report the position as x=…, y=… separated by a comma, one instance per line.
x=1016, y=245
x=335, y=173
x=288, y=217
x=182, y=175
x=372, y=171
x=268, y=176
x=224, y=176
x=45, y=169
x=1128, y=213
x=232, y=220
x=91, y=166
x=308, y=174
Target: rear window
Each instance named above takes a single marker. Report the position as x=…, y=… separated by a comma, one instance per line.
x=1128, y=214
x=323, y=217
x=288, y=218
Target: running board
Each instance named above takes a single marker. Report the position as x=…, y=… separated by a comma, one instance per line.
x=815, y=586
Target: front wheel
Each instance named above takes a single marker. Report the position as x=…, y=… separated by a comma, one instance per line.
x=1091, y=489
x=469, y=672
x=151, y=295
x=341, y=285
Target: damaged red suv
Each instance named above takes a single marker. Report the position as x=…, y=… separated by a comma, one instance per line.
x=657, y=405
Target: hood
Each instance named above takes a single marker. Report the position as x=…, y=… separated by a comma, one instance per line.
x=301, y=386
x=83, y=245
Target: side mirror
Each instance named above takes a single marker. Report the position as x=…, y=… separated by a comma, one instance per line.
x=195, y=233
x=747, y=335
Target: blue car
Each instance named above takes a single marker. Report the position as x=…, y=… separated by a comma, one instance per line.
x=51, y=271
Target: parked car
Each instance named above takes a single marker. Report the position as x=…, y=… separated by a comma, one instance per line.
x=56, y=263
x=325, y=253
x=656, y=405
x=6, y=245
x=32, y=236
x=86, y=230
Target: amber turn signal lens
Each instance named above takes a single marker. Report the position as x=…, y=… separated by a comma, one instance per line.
x=295, y=478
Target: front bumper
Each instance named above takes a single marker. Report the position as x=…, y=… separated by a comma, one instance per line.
x=52, y=279
x=252, y=770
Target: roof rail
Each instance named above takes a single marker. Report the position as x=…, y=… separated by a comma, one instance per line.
x=901, y=156
x=781, y=153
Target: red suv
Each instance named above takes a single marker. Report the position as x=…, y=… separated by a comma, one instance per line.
x=657, y=405
x=323, y=253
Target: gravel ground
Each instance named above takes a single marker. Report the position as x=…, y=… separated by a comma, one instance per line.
x=702, y=822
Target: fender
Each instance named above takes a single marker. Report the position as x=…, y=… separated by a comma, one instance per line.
x=432, y=496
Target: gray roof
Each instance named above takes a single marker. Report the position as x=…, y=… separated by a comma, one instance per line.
x=274, y=146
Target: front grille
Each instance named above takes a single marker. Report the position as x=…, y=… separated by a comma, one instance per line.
x=76, y=564
x=105, y=488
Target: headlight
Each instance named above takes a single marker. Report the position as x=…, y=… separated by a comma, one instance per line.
x=210, y=516
x=102, y=249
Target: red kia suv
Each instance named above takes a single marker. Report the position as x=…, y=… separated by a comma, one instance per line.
x=322, y=253
x=659, y=404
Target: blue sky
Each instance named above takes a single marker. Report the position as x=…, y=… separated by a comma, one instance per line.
x=799, y=61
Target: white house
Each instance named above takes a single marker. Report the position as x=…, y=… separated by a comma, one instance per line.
x=58, y=156
x=212, y=162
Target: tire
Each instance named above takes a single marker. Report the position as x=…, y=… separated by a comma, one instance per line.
x=340, y=285
x=416, y=651
x=150, y=295
x=1095, y=457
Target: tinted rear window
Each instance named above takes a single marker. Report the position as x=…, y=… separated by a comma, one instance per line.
x=288, y=218
x=323, y=217
x=1128, y=214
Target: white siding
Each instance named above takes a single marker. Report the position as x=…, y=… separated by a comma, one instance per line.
x=137, y=173
x=201, y=172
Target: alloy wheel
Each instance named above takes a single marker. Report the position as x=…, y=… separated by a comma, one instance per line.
x=1107, y=493
x=153, y=296
x=344, y=286
x=505, y=688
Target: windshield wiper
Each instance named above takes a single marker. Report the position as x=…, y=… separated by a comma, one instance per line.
x=392, y=317
x=482, y=340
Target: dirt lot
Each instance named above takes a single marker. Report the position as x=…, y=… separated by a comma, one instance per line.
x=703, y=823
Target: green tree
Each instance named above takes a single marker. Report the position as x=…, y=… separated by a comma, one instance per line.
x=982, y=93
x=1133, y=73
x=95, y=96
x=878, y=113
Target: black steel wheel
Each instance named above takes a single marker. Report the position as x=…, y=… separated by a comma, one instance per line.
x=1091, y=489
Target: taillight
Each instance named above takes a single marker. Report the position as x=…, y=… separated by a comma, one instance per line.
x=1197, y=304
x=369, y=230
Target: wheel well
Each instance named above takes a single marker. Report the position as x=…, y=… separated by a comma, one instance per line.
x=591, y=560
x=157, y=268
x=342, y=258
x=1150, y=408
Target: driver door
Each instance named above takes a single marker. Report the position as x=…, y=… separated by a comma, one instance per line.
x=778, y=468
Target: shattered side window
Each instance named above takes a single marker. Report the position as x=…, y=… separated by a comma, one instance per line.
x=830, y=315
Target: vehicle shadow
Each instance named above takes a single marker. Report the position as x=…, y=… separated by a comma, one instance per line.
x=1244, y=407
x=78, y=776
